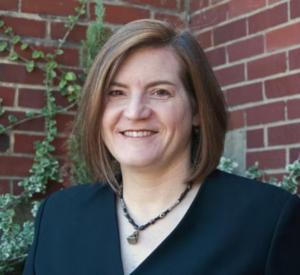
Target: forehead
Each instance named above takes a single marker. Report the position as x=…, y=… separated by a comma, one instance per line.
x=147, y=64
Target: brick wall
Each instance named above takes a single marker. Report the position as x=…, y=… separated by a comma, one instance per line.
x=254, y=47
x=41, y=23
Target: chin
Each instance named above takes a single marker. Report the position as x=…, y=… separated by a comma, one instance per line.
x=137, y=162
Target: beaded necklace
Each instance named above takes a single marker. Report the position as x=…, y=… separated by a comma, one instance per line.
x=133, y=238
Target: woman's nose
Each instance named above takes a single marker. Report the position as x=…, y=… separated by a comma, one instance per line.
x=137, y=108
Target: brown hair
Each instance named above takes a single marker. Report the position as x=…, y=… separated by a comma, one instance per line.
x=197, y=76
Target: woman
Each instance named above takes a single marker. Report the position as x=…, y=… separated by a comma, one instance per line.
x=153, y=111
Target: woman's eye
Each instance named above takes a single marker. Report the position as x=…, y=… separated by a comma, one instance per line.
x=115, y=93
x=162, y=93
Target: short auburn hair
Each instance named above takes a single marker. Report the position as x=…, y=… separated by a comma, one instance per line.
x=196, y=75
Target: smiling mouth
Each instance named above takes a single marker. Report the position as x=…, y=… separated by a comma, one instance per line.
x=138, y=133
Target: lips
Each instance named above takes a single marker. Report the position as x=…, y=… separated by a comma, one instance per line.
x=140, y=133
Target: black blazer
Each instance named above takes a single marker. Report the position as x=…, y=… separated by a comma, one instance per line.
x=235, y=226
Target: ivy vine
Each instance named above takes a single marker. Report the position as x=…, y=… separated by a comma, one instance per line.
x=16, y=238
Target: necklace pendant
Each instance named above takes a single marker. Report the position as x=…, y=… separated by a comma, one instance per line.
x=133, y=239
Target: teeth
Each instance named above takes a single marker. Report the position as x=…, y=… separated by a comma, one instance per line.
x=138, y=133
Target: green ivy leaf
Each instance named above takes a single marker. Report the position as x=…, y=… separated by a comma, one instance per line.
x=82, y=77
x=72, y=18
x=40, y=152
x=42, y=54
x=68, y=25
x=82, y=1
x=8, y=30
x=24, y=46
x=12, y=119
x=62, y=84
x=49, y=55
x=80, y=10
x=52, y=73
x=16, y=39
x=36, y=54
x=2, y=128
x=3, y=46
x=30, y=66
x=51, y=65
x=51, y=148
x=13, y=56
x=59, y=52
x=1, y=24
x=29, y=114
x=70, y=76
x=2, y=112
x=53, y=131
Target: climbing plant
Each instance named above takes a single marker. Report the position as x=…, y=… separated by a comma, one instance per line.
x=16, y=238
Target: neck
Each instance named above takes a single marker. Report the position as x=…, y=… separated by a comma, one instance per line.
x=147, y=194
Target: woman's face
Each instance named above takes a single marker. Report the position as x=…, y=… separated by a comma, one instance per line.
x=147, y=118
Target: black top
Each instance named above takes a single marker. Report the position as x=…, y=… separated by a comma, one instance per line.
x=235, y=226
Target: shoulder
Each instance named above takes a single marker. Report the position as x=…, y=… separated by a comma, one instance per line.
x=243, y=194
x=239, y=184
x=77, y=197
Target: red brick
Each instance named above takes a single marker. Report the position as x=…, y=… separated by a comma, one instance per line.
x=283, y=86
x=204, y=39
x=267, y=113
x=294, y=59
x=196, y=5
x=216, y=57
x=16, y=189
x=285, y=134
x=295, y=9
x=18, y=74
x=15, y=166
x=246, y=48
x=283, y=37
x=8, y=96
x=294, y=154
x=266, y=66
x=53, y=7
x=70, y=57
x=230, y=75
x=231, y=31
x=5, y=53
x=255, y=138
x=36, y=124
x=11, y=5
x=238, y=7
x=209, y=17
x=4, y=142
x=64, y=122
x=31, y=98
x=293, y=108
x=169, y=4
x=269, y=159
x=24, y=144
x=25, y=27
x=121, y=14
x=173, y=19
x=268, y=18
x=244, y=94
x=58, y=31
x=4, y=184
x=236, y=120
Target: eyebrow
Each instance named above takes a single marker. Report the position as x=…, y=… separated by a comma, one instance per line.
x=150, y=84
